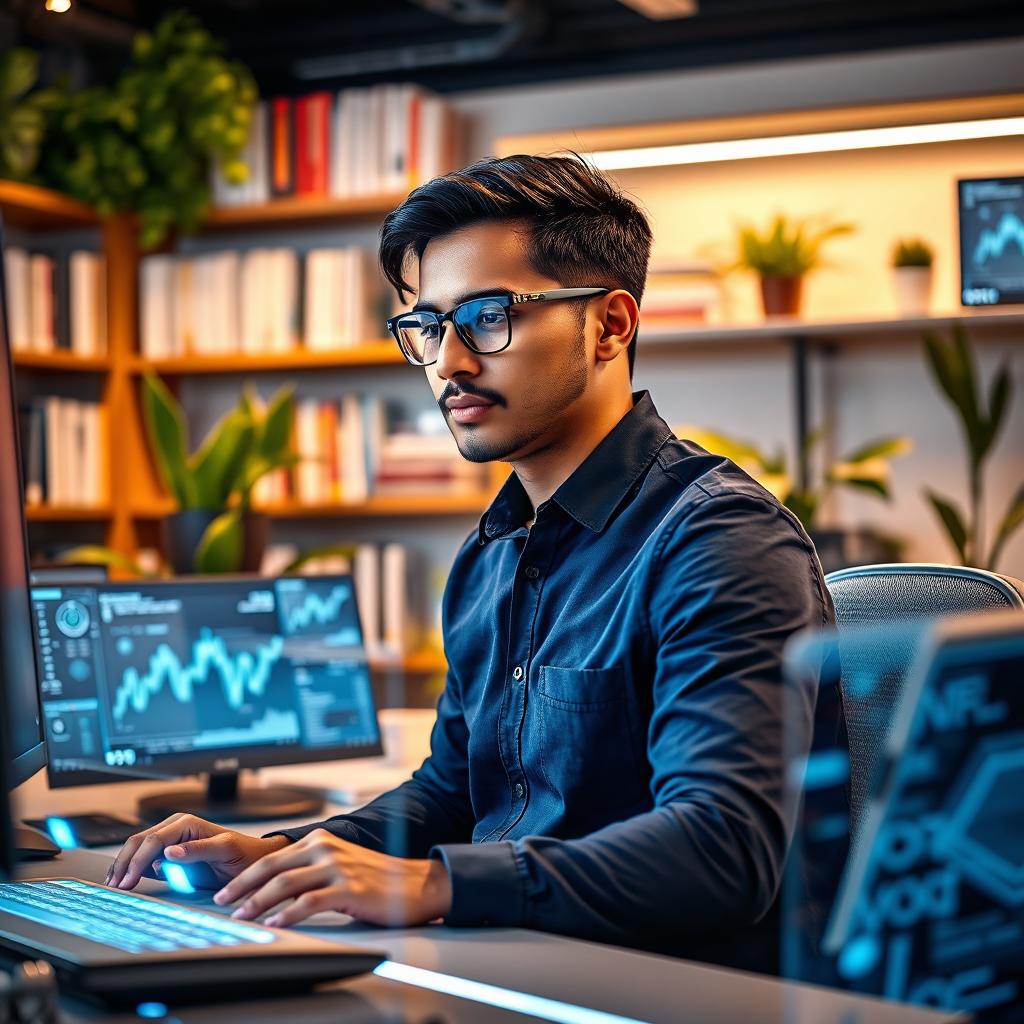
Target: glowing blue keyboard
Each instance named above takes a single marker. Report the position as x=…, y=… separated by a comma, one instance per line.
x=122, y=920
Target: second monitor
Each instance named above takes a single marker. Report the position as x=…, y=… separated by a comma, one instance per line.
x=162, y=679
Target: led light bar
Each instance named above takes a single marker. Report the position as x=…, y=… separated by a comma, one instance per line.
x=503, y=998
x=815, y=142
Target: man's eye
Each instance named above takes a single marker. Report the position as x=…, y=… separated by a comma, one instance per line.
x=490, y=318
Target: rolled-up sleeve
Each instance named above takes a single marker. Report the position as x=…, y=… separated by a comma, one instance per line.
x=732, y=579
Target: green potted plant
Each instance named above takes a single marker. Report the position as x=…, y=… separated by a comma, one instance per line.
x=214, y=528
x=783, y=255
x=912, y=275
x=953, y=369
x=866, y=469
x=23, y=114
x=145, y=143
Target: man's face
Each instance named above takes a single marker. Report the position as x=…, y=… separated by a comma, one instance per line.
x=521, y=397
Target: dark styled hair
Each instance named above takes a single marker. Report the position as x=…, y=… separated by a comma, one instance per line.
x=583, y=230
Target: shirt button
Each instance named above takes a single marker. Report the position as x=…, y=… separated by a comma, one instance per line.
x=532, y=572
x=517, y=672
x=518, y=791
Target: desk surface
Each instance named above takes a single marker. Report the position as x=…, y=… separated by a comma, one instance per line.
x=636, y=986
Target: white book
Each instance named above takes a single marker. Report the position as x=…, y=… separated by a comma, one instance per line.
x=77, y=466
x=354, y=483
x=366, y=577
x=309, y=473
x=253, y=335
x=394, y=598
x=85, y=299
x=341, y=115
x=54, y=413
x=19, y=298
x=95, y=449
x=41, y=272
x=184, y=308
x=229, y=270
x=158, y=287
x=319, y=300
x=283, y=271
x=374, y=432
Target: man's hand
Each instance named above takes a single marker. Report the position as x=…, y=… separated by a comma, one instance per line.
x=184, y=838
x=322, y=872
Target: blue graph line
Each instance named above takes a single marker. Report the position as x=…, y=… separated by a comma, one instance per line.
x=315, y=608
x=239, y=673
x=994, y=243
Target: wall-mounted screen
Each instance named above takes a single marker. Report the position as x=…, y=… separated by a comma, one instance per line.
x=991, y=241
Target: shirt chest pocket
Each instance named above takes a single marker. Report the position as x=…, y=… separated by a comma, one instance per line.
x=589, y=750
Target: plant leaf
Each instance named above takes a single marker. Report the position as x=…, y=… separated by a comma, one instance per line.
x=884, y=447
x=165, y=428
x=93, y=554
x=743, y=453
x=346, y=550
x=953, y=523
x=873, y=485
x=221, y=546
x=1011, y=522
x=277, y=426
x=217, y=465
x=999, y=397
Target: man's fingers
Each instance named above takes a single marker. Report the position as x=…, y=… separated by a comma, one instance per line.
x=256, y=875
x=124, y=856
x=214, y=850
x=306, y=905
x=150, y=849
x=283, y=886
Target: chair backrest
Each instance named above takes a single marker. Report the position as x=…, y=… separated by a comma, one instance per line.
x=893, y=593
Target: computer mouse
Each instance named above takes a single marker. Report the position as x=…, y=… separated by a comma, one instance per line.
x=188, y=878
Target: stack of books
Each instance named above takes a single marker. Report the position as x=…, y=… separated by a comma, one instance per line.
x=56, y=303
x=355, y=447
x=64, y=442
x=681, y=294
x=386, y=138
x=259, y=301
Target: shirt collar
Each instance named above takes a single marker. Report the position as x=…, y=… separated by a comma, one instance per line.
x=599, y=484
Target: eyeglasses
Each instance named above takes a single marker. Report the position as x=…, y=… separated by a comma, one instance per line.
x=483, y=325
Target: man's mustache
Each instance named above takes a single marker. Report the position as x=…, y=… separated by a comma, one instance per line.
x=452, y=390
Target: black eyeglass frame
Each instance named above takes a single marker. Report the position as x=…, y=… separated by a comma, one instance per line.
x=504, y=300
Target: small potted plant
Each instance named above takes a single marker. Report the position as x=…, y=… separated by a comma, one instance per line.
x=783, y=255
x=912, y=276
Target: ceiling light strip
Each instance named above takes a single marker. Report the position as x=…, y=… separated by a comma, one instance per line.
x=797, y=145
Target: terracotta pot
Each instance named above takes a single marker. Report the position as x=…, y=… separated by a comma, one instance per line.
x=780, y=296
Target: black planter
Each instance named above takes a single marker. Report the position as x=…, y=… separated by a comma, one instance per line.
x=841, y=549
x=183, y=530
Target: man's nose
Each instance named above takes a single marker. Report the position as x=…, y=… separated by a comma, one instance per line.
x=453, y=355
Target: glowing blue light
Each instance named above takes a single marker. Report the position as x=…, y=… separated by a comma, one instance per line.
x=177, y=878
x=151, y=1011
x=859, y=957
x=61, y=833
x=503, y=998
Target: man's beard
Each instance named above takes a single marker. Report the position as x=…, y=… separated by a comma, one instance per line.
x=543, y=404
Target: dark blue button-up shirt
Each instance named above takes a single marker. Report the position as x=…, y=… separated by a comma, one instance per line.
x=608, y=756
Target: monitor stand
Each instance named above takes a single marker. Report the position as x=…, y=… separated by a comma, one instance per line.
x=226, y=804
x=30, y=844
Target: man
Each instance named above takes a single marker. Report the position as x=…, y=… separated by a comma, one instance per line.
x=608, y=757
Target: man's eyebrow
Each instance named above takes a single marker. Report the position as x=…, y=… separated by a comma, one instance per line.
x=483, y=293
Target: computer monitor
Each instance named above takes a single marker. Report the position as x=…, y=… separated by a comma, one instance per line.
x=169, y=678
x=929, y=905
x=991, y=241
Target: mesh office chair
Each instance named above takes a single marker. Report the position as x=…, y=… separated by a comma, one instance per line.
x=892, y=593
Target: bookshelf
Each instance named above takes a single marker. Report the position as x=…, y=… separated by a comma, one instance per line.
x=370, y=353
x=299, y=211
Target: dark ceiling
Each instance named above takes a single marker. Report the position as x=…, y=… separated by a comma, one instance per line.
x=452, y=45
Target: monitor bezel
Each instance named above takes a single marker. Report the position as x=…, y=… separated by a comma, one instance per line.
x=24, y=765
x=169, y=767
x=961, y=255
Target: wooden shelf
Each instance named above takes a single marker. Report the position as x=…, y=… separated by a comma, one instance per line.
x=60, y=362
x=785, y=328
x=424, y=662
x=296, y=210
x=371, y=353
x=66, y=514
x=41, y=209
x=452, y=503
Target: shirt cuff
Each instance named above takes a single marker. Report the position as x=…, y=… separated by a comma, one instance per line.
x=342, y=829
x=487, y=888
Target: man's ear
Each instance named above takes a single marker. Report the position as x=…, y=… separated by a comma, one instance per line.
x=619, y=317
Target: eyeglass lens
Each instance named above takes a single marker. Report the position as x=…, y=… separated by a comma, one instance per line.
x=482, y=323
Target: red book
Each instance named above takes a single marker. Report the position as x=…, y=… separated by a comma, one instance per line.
x=318, y=141
x=302, y=169
x=282, y=147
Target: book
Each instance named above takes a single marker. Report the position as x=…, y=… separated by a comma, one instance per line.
x=88, y=302
x=19, y=298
